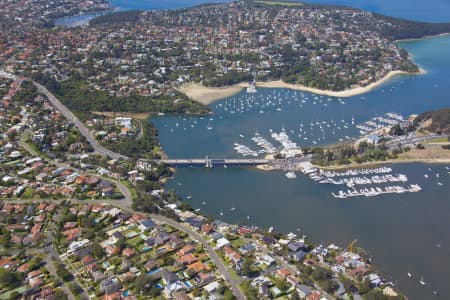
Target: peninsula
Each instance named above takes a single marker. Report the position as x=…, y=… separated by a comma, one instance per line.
x=331, y=50
x=207, y=95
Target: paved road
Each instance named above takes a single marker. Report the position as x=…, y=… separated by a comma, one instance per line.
x=234, y=284
x=126, y=205
x=81, y=127
x=127, y=200
x=413, y=140
x=51, y=253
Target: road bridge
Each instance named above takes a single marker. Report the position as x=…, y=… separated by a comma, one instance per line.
x=213, y=162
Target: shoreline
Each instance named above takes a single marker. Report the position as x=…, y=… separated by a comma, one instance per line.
x=207, y=95
x=427, y=37
x=438, y=161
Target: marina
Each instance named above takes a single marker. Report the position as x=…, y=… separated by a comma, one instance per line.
x=387, y=224
x=359, y=177
x=369, y=192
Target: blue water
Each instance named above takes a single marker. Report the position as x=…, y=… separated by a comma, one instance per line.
x=152, y=4
x=404, y=233
x=430, y=11
x=419, y=10
x=404, y=94
x=437, y=11
x=153, y=272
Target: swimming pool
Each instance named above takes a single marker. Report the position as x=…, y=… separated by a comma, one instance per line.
x=188, y=284
x=131, y=234
x=153, y=272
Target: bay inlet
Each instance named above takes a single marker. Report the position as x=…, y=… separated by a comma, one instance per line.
x=403, y=233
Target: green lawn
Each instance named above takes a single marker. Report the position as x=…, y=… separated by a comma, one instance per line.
x=6, y=295
x=130, y=188
x=438, y=140
x=134, y=242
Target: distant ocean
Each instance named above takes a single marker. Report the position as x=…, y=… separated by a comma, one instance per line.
x=153, y=4
x=430, y=11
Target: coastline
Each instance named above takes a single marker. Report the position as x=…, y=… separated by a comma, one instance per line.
x=386, y=162
x=370, y=164
x=208, y=95
x=427, y=37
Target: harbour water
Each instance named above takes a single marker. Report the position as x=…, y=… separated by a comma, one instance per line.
x=419, y=10
x=79, y=20
x=403, y=232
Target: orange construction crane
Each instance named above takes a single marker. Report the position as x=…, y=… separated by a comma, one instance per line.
x=350, y=247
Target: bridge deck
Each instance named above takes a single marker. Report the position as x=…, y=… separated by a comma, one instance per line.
x=204, y=162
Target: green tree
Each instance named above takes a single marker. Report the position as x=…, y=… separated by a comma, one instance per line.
x=10, y=279
x=396, y=130
x=97, y=250
x=143, y=283
x=63, y=273
x=60, y=295
x=364, y=286
x=295, y=296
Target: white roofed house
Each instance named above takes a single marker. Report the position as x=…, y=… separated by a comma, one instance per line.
x=222, y=242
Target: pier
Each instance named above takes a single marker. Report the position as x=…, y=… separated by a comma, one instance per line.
x=213, y=162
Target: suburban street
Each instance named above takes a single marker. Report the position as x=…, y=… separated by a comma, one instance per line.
x=410, y=140
x=81, y=127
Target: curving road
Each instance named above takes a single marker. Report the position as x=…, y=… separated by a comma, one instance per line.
x=127, y=201
x=234, y=284
x=81, y=127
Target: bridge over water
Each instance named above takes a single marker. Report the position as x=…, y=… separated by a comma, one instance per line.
x=213, y=162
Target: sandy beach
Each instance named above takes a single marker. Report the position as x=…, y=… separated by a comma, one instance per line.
x=208, y=95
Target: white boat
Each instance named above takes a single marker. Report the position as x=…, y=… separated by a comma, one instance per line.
x=409, y=275
x=251, y=88
x=241, y=136
x=203, y=203
x=189, y=197
x=422, y=282
x=221, y=213
x=234, y=207
x=290, y=175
